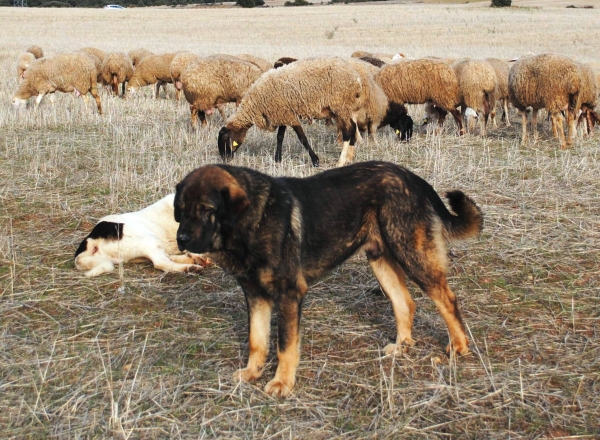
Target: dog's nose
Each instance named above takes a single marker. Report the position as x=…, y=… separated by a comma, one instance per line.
x=182, y=240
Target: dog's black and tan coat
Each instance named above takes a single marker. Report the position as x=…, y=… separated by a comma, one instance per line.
x=277, y=235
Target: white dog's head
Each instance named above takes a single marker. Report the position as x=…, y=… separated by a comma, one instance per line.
x=90, y=255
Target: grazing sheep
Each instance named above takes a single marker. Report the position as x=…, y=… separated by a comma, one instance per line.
x=423, y=81
x=178, y=65
x=36, y=51
x=546, y=81
x=377, y=110
x=23, y=62
x=116, y=69
x=262, y=64
x=372, y=60
x=216, y=80
x=95, y=52
x=153, y=69
x=284, y=61
x=138, y=55
x=309, y=88
x=477, y=88
x=385, y=57
x=68, y=72
x=589, y=98
x=96, y=56
x=501, y=67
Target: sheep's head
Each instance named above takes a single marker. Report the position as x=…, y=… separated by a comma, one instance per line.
x=18, y=102
x=230, y=139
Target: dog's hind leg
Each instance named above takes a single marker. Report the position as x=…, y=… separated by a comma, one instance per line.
x=422, y=254
x=393, y=282
x=259, y=325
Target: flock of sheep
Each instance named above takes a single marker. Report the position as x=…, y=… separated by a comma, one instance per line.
x=361, y=93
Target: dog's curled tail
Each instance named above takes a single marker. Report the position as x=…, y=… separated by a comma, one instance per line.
x=468, y=221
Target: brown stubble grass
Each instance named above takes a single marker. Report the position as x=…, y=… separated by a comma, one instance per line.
x=144, y=354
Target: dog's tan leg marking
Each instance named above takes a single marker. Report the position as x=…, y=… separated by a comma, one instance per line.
x=447, y=304
x=288, y=349
x=260, y=330
x=393, y=282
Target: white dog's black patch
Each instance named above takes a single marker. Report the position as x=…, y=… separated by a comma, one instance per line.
x=106, y=230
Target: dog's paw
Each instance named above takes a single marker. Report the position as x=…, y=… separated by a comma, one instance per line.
x=278, y=388
x=246, y=375
x=200, y=259
x=457, y=348
x=193, y=268
x=396, y=349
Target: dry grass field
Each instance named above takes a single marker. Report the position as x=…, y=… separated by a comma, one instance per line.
x=140, y=354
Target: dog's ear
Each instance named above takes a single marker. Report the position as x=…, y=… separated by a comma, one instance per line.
x=176, y=210
x=236, y=200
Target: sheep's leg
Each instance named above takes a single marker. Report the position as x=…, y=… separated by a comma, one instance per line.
x=280, y=136
x=349, y=140
x=221, y=108
x=459, y=121
x=157, y=89
x=554, y=128
x=523, y=127
x=557, y=120
x=52, y=98
x=194, y=116
x=570, y=126
x=483, y=119
x=505, y=117
x=589, y=126
x=304, y=141
x=39, y=99
x=86, y=100
x=123, y=89
x=441, y=117
x=94, y=93
x=466, y=121
x=534, y=124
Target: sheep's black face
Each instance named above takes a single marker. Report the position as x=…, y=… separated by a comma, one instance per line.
x=403, y=127
x=225, y=144
x=229, y=141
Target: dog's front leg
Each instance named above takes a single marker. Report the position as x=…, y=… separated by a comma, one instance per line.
x=259, y=324
x=288, y=346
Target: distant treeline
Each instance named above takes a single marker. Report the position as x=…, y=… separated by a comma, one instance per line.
x=142, y=3
x=102, y=3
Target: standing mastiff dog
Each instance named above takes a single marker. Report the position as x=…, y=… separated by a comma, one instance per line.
x=277, y=235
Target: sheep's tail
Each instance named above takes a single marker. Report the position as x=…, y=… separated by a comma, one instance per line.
x=468, y=219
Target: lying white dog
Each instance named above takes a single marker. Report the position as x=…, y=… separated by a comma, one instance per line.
x=148, y=234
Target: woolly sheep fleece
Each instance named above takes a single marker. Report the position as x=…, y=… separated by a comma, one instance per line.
x=116, y=64
x=420, y=81
x=179, y=64
x=217, y=79
x=152, y=69
x=301, y=90
x=138, y=55
x=36, y=51
x=23, y=62
x=66, y=72
x=477, y=85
